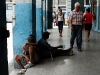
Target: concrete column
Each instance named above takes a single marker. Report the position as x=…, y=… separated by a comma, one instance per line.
x=3, y=42
x=44, y=15
x=98, y=16
x=81, y=3
x=50, y=19
x=34, y=18
x=23, y=25
x=39, y=20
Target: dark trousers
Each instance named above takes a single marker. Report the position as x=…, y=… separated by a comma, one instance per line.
x=76, y=33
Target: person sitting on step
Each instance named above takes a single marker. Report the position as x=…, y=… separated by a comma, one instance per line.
x=30, y=55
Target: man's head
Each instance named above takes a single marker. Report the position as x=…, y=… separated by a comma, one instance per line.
x=45, y=35
x=77, y=6
x=30, y=39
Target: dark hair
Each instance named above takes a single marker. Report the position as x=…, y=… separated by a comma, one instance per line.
x=45, y=35
x=60, y=10
x=31, y=37
x=88, y=10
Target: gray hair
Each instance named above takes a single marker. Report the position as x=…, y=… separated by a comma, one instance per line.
x=77, y=4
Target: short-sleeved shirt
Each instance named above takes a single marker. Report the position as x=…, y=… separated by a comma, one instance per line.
x=76, y=17
x=44, y=47
x=88, y=17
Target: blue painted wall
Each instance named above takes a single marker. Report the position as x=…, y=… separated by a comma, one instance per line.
x=22, y=27
x=39, y=20
x=39, y=23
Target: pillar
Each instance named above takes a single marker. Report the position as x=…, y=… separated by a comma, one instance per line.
x=34, y=18
x=44, y=15
x=50, y=19
x=23, y=25
x=81, y=3
x=3, y=42
x=97, y=28
x=39, y=20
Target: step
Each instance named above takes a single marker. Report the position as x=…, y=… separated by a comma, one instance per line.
x=48, y=67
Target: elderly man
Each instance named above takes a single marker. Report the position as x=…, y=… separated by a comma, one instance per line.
x=76, y=18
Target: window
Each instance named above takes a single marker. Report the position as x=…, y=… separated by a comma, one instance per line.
x=8, y=6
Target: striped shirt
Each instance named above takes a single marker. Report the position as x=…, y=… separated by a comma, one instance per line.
x=76, y=17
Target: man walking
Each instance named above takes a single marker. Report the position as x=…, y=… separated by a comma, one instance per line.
x=76, y=18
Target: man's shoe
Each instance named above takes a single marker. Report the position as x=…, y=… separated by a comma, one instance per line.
x=28, y=65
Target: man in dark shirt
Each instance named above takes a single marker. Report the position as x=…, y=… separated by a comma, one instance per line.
x=45, y=48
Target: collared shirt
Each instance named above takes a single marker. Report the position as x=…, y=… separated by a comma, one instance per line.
x=76, y=17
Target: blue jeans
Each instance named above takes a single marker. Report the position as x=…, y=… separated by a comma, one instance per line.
x=76, y=33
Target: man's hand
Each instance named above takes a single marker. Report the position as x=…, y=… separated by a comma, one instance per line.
x=72, y=28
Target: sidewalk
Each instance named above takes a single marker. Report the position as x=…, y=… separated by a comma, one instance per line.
x=86, y=62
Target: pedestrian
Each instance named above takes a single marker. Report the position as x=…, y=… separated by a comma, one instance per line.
x=54, y=18
x=88, y=23
x=76, y=19
x=60, y=21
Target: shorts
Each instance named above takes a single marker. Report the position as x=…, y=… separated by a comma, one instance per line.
x=60, y=25
x=23, y=60
x=35, y=57
x=88, y=26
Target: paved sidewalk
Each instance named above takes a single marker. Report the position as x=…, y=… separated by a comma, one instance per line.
x=86, y=62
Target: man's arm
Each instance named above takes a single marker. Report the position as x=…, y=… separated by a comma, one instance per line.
x=70, y=18
x=33, y=44
x=60, y=46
